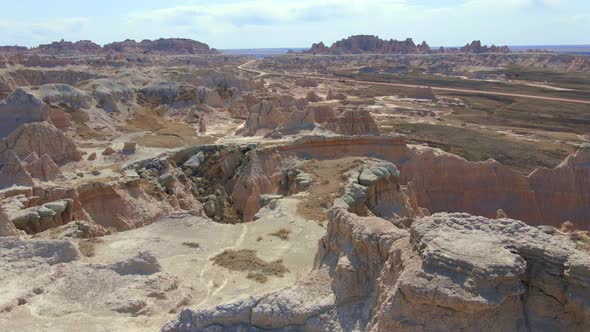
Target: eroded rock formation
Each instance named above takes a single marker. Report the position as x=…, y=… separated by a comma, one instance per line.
x=370, y=44
x=43, y=139
x=19, y=108
x=461, y=271
x=13, y=173
x=354, y=123
x=164, y=46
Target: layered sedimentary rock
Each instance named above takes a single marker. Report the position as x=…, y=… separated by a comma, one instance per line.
x=519, y=278
x=59, y=94
x=450, y=270
x=13, y=173
x=164, y=46
x=296, y=121
x=354, y=123
x=40, y=218
x=41, y=138
x=264, y=115
x=438, y=181
x=44, y=169
x=7, y=227
x=67, y=47
x=370, y=44
x=159, y=46
x=476, y=47
x=562, y=193
x=19, y=108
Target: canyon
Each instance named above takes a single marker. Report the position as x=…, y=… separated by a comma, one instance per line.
x=373, y=185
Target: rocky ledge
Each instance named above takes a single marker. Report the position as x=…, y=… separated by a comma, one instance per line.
x=455, y=270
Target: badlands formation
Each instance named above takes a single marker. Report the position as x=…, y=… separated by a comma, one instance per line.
x=162, y=186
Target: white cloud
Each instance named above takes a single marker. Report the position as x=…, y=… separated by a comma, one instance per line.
x=34, y=32
x=289, y=23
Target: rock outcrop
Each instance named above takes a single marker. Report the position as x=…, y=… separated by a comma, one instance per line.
x=162, y=46
x=19, y=108
x=7, y=227
x=59, y=94
x=449, y=271
x=354, y=123
x=43, y=139
x=44, y=169
x=263, y=115
x=473, y=273
x=13, y=173
x=562, y=193
x=370, y=44
x=40, y=218
x=436, y=181
x=476, y=47
x=67, y=47
x=296, y=121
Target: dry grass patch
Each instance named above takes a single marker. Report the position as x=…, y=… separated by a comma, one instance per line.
x=330, y=174
x=282, y=234
x=247, y=261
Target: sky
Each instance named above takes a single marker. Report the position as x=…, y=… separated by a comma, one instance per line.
x=227, y=24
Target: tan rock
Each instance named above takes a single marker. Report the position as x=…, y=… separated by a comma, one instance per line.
x=108, y=151
x=13, y=172
x=7, y=227
x=59, y=119
x=33, y=157
x=19, y=108
x=34, y=137
x=353, y=123
x=264, y=115
x=297, y=121
x=44, y=169
x=449, y=272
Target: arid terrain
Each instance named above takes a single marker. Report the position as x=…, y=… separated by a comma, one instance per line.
x=370, y=185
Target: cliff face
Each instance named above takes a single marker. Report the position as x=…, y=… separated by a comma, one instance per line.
x=437, y=181
x=448, y=271
x=370, y=44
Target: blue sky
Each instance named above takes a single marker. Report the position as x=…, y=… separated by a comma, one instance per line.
x=288, y=23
